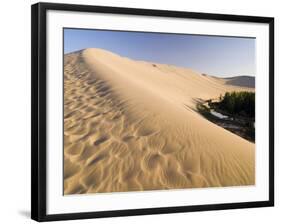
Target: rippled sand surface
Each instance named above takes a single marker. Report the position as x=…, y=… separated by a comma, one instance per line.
x=133, y=126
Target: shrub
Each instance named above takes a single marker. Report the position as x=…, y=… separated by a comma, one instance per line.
x=238, y=103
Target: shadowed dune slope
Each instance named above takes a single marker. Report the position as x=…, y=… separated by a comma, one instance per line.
x=132, y=125
x=243, y=81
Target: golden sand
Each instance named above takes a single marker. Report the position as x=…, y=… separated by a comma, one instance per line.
x=133, y=126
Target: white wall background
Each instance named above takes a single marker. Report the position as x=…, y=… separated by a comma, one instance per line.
x=15, y=110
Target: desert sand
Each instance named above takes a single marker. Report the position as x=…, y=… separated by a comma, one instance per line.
x=133, y=126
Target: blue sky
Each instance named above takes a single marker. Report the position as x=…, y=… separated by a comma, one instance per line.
x=214, y=55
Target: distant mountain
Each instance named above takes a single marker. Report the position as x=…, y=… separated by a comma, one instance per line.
x=243, y=81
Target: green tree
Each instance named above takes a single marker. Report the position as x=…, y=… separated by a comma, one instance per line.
x=238, y=103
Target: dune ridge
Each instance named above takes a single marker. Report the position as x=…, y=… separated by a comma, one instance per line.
x=243, y=81
x=133, y=125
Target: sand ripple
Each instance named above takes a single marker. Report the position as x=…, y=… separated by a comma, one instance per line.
x=126, y=128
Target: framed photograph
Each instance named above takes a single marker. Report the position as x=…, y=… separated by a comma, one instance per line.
x=139, y=111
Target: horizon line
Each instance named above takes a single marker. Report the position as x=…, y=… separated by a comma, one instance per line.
x=153, y=62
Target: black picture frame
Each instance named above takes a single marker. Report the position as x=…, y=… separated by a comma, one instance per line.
x=39, y=108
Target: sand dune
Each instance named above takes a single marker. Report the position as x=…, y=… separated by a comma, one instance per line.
x=243, y=81
x=132, y=125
